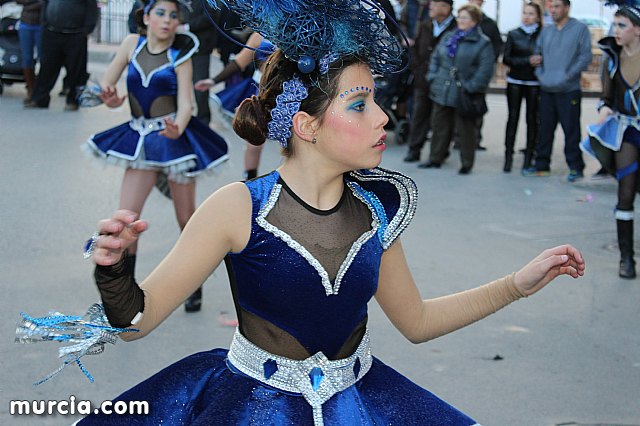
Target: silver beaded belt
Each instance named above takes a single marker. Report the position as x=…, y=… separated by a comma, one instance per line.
x=144, y=126
x=316, y=378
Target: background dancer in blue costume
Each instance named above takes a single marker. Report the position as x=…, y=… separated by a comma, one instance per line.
x=162, y=137
x=306, y=247
x=231, y=97
x=615, y=139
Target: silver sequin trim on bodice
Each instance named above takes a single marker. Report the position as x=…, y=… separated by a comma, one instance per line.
x=353, y=252
x=408, y=192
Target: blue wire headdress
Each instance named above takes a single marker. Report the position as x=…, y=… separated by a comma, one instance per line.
x=628, y=8
x=621, y=3
x=184, y=3
x=315, y=32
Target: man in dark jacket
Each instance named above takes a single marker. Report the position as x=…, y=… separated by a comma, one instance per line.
x=203, y=28
x=489, y=27
x=67, y=24
x=429, y=32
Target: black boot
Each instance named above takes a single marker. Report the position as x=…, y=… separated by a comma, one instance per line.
x=528, y=159
x=508, y=162
x=625, y=243
x=250, y=174
x=194, y=302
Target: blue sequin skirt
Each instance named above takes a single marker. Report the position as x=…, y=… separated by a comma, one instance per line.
x=230, y=98
x=137, y=144
x=203, y=390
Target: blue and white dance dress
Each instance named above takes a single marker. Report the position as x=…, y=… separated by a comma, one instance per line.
x=229, y=98
x=302, y=353
x=605, y=139
x=152, y=86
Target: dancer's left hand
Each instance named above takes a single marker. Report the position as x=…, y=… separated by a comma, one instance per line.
x=551, y=263
x=109, y=96
x=171, y=129
x=204, y=85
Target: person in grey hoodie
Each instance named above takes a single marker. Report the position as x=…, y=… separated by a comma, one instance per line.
x=565, y=52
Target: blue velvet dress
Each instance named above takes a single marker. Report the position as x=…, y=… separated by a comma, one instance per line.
x=229, y=98
x=152, y=95
x=277, y=280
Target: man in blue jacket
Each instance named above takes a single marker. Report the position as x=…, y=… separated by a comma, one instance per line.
x=565, y=52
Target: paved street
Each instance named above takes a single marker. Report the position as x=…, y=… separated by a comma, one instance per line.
x=568, y=355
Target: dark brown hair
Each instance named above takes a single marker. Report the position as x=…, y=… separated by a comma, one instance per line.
x=254, y=114
x=537, y=8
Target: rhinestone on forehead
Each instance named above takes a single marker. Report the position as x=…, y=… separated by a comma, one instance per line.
x=355, y=90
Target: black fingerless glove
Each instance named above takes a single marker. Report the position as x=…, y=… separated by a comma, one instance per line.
x=231, y=69
x=121, y=297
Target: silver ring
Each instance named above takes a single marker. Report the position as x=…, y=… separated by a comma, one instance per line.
x=90, y=244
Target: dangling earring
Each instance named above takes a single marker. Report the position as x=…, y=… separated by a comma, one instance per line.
x=314, y=141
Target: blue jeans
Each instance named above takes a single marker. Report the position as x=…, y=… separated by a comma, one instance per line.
x=30, y=39
x=563, y=108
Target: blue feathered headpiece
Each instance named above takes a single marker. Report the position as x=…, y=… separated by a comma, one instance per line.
x=314, y=32
x=621, y=3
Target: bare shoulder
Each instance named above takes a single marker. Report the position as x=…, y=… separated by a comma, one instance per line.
x=230, y=209
x=128, y=45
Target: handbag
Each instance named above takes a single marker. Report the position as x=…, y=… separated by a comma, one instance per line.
x=471, y=105
x=468, y=105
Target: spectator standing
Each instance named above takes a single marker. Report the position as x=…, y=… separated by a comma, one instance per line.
x=67, y=24
x=428, y=35
x=30, y=34
x=489, y=27
x=462, y=60
x=203, y=28
x=565, y=48
x=522, y=83
x=413, y=11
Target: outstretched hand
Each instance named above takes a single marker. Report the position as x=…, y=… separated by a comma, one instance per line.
x=109, y=95
x=116, y=235
x=204, y=85
x=551, y=263
x=171, y=129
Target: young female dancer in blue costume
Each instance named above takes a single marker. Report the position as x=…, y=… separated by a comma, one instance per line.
x=615, y=139
x=306, y=247
x=162, y=136
x=231, y=97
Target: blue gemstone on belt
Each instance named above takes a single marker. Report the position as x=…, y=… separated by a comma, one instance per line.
x=270, y=367
x=316, y=375
x=356, y=367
